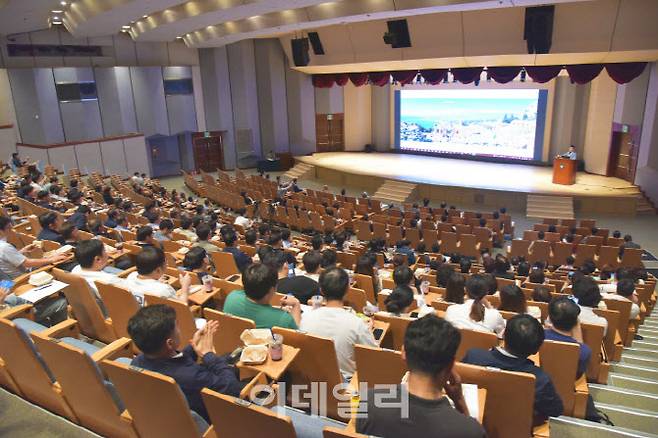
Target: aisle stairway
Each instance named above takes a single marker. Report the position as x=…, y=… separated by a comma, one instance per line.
x=630, y=399
x=397, y=192
x=559, y=207
x=301, y=171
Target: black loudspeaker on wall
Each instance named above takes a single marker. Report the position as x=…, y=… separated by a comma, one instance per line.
x=300, y=52
x=538, y=30
x=316, y=44
x=398, y=34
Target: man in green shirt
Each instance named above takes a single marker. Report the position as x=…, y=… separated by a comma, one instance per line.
x=254, y=301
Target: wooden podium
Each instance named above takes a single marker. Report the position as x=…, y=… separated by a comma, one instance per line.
x=564, y=171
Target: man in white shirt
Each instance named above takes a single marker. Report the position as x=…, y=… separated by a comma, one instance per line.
x=14, y=262
x=626, y=292
x=241, y=220
x=151, y=264
x=333, y=321
x=92, y=259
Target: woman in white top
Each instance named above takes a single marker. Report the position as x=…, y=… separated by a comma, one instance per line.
x=587, y=292
x=476, y=313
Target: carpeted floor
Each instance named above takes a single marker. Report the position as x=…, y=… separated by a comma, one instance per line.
x=20, y=419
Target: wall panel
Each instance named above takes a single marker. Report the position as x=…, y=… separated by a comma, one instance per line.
x=89, y=157
x=64, y=158
x=114, y=158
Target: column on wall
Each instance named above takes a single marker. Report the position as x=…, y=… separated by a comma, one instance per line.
x=381, y=117
x=301, y=112
x=358, y=121
x=218, y=107
x=272, y=104
x=9, y=133
x=598, y=134
x=115, y=98
x=647, y=163
x=563, y=117
x=244, y=97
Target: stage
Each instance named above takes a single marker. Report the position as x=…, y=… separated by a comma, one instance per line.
x=467, y=182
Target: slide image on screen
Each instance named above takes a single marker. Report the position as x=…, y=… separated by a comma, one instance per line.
x=489, y=123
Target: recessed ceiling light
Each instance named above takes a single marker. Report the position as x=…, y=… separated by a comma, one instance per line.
x=55, y=18
x=145, y=16
x=125, y=27
x=56, y=22
x=57, y=11
x=63, y=3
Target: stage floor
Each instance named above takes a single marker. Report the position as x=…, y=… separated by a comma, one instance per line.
x=449, y=172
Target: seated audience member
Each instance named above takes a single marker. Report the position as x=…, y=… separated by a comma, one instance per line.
x=80, y=217
x=628, y=242
x=588, y=295
x=253, y=302
x=144, y=236
x=242, y=220
x=155, y=332
x=465, y=266
x=564, y=327
x=242, y=260
x=399, y=301
x=93, y=265
x=122, y=223
x=626, y=292
x=153, y=218
x=620, y=274
x=568, y=263
x=476, y=313
x=329, y=258
x=541, y=294
x=335, y=322
x=13, y=262
x=304, y=286
x=403, y=247
x=151, y=264
x=285, y=238
x=536, y=276
x=164, y=231
x=502, y=268
x=430, y=345
x=196, y=261
x=512, y=299
x=43, y=200
x=112, y=215
x=49, y=223
x=524, y=336
x=185, y=229
x=366, y=265
x=443, y=273
x=203, y=234
x=455, y=289
x=250, y=237
x=523, y=269
x=97, y=228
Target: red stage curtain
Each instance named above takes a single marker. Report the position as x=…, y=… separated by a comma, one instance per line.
x=584, y=73
x=543, y=73
x=379, y=78
x=404, y=77
x=467, y=75
x=341, y=79
x=625, y=72
x=359, y=79
x=323, y=81
x=435, y=76
x=503, y=75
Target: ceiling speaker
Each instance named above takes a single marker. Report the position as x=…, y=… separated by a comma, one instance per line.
x=538, y=30
x=316, y=44
x=398, y=34
x=300, y=52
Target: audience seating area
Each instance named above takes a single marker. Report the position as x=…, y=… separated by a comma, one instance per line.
x=79, y=368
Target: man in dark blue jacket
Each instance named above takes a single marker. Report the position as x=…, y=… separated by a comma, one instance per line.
x=156, y=334
x=242, y=260
x=523, y=337
x=80, y=217
x=49, y=222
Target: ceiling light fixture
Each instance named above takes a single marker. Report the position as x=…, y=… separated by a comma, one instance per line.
x=56, y=18
x=145, y=16
x=63, y=3
x=57, y=11
x=125, y=27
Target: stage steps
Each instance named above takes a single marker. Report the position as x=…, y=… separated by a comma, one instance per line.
x=644, y=204
x=541, y=206
x=300, y=170
x=397, y=192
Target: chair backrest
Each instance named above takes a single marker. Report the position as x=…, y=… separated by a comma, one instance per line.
x=365, y=283
x=231, y=327
x=120, y=304
x=28, y=372
x=377, y=366
x=394, y=338
x=541, y=251
x=316, y=362
x=510, y=399
x=155, y=402
x=608, y=256
x=611, y=334
x=475, y=339
x=335, y=432
x=561, y=250
x=632, y=258
x=224, y=264
x=593, y=337
x=83, y=387
x=184, y=316
x=468, y=245
x=560, y=361
x=519, y=248
x=235, y=417
x=448, y=242
x=355, y=298
x=584, y=253
x=624, y=309
x=85, y=307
